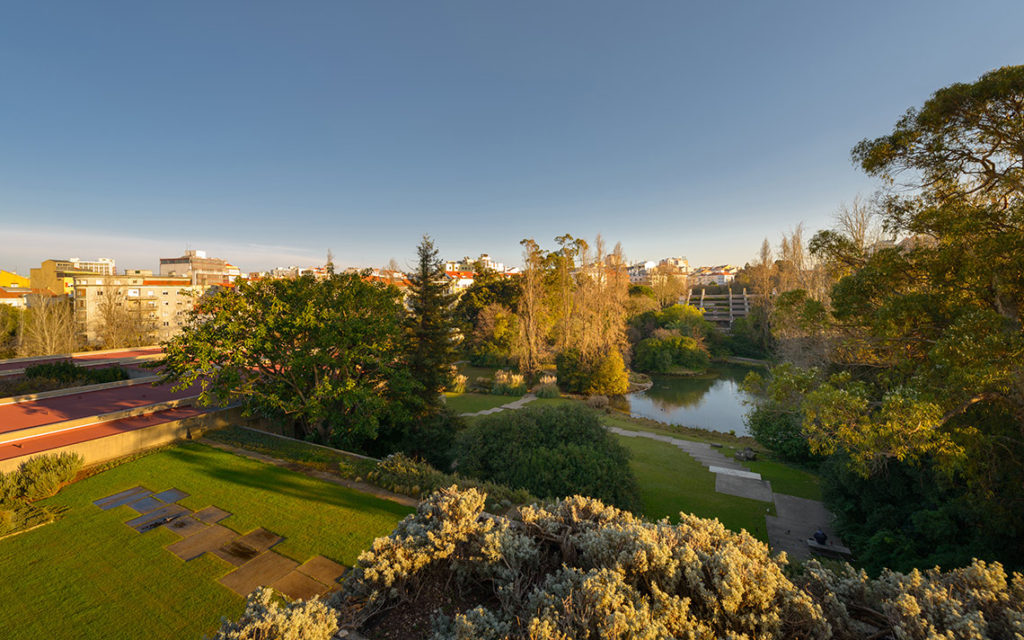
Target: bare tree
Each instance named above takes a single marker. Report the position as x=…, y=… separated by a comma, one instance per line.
x=124, y=321
x=860, y=223
x=47, y=327
x=530, y=347
x=669, y=283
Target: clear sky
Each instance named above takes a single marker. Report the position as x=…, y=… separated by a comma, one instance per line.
x=268, y=132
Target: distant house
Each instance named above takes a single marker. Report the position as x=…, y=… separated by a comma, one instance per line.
x=459, y=281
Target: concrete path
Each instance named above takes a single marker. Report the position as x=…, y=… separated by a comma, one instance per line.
x=796, y=518
x=515, y=404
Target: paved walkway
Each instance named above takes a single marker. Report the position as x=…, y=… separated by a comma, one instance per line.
x=795, y=519
x=515, y=404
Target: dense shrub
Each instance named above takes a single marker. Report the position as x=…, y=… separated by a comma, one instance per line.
x=604, y=375
x=663, y=355
x=597, y=402
x=780, y=431
x=402, y=474
x=428, y=437
x=66, y=372
x=41, y=476
x=267, y=619
x=550, y=452
x=579, y=569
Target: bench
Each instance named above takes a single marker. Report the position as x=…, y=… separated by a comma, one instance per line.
x=829, y=550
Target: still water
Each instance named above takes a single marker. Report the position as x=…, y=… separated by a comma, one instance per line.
x=713, y=401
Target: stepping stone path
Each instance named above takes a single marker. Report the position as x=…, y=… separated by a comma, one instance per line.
x=796, y=518
x=515, y=404
x=254, y=561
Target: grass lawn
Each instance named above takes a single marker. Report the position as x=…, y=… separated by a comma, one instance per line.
x=90, y=576
x=671, y=481
x=473, y=402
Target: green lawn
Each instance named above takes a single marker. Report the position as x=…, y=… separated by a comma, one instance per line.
x=90, y=576
x=671, y=481
x=473, y=402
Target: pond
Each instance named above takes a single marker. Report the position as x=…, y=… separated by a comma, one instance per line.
x=712, y=401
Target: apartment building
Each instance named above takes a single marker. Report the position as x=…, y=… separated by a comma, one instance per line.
x=158, y=304
x=57, y=275
x=199, y=268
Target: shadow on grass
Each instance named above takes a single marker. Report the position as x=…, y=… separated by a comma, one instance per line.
x=265, y=477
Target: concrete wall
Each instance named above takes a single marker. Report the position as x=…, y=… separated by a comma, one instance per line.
x=123, y=444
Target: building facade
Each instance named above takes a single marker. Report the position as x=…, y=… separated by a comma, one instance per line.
x=199, y=269
x=156, y=305
x=57, y=275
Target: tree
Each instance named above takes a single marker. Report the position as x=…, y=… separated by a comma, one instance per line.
x=430, y=325
x=493, y=340
x=531, y=347
x=325, y=356
x=47, y=326
x=122, y=320
x=489, y=287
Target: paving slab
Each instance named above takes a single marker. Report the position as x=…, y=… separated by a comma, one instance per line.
x=147, y=504
x=264, y=569
x=171, y=495
x=299, y=586
x=195, y=545
x=260, y=539
x=796, y=520
x=125, y=499
x=245, y=548
x=322, y=569
x=210, y=515
x=134, y=492
x=743, y=487
x=146, y=522
x=185, y=526
x=739, y=473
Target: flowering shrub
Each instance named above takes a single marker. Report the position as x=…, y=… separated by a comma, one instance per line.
x=458, y=383
x=266, y=619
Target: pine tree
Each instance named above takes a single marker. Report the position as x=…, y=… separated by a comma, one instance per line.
x=430, y=325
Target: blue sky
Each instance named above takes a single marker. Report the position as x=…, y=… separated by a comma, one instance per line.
x=268, y=132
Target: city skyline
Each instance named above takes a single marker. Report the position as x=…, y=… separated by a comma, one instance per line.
x=268, y=136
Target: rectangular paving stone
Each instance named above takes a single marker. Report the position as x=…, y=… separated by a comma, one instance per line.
x=264, y=569
x=147, y=504
x=195, y=545
x=125, y=499
x=299, y=586
x=322, y=569
x=260, y=539
x=160, y=514
x=127, y=493
x=171, y=495
x=743, y=487
x=185, y=526
x=236, y=552
x=210, y=515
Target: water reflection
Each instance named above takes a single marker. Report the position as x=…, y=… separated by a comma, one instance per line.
x=713, y=401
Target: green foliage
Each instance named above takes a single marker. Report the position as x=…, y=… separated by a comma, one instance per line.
x=59, y=375
x=326, y=356
x=488, y=289
x=41, y=476
x=402, y=474
x=430, y=326
x=550, y=452
x=606, y=375
x=267, y=619
x=776, y=418
x=429, y=436
x=493, y=339
x=664, y=355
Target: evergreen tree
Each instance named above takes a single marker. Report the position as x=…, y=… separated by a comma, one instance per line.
x=430, y=324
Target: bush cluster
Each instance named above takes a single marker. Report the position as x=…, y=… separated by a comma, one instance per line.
x=604, y=375
x=267, y=619
x=550, y=452
x=507, y=383
x=401, y=474
x=36, y=478
x=577, y=568
x=58, y=375
x=548, y=390
x=663, y=355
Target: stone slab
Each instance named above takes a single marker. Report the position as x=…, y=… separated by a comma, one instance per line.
x=750, y=475
x=128, y=494
x=322, y=569
x=210, y=515
x=147, y=504
x=171, y=495
x=743, y=487
x=299, y=586
x=210, y=538
x=185, y=526
x=161, y=515
x=265, y=569
x=260, y=539
x=243, y=549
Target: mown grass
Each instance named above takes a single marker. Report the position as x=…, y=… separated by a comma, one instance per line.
x=473, y=402
x=90, y=576
x=672, y=482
